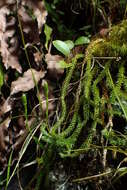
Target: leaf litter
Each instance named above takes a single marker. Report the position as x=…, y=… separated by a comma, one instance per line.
x=32, y=16
x=9, y=53
x=26, y=83
x=53, y=66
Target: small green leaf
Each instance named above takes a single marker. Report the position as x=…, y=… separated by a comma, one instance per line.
x=69, y=43
x=64, y=65
x=48, y=32
x=62, y=47
x=82, y=40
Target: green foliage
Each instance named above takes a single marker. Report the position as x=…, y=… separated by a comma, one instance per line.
x=102, y=86
x=115, y=139
x=123, y=3
x=101, y=94
x=63, y=64
x=61, y=46
x=69, y=43
x=48, y=32
x=64, y=92
x=82, y=40
x=65, y=46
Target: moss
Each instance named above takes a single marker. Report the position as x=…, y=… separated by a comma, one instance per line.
x=114, y=45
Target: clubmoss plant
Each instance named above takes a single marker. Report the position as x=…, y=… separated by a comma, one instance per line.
x=105, y=67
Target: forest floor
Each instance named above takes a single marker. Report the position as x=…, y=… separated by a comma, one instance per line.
x=63, y=94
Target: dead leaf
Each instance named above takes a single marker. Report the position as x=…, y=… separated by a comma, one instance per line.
x=7, y=2
x=6, y=106
x=54, y=69
x=39, y=11
x=38, y=57
x=10, y=139
x=29, y=26
x=4, y=138
x=8, y=52
x=26, y=82
x=21, y=136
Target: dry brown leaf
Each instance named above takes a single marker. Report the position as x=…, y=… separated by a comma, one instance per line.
x=26, y=82
x=10, y=139
x=29, y=26
x=7, y=2
x=4, y=138
x=39, y=11
x=38, y=57
x=53, y=67
x=21, y=136
x=4, y=143
x=6, y=106
x=10, y=52
x=7, y=29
